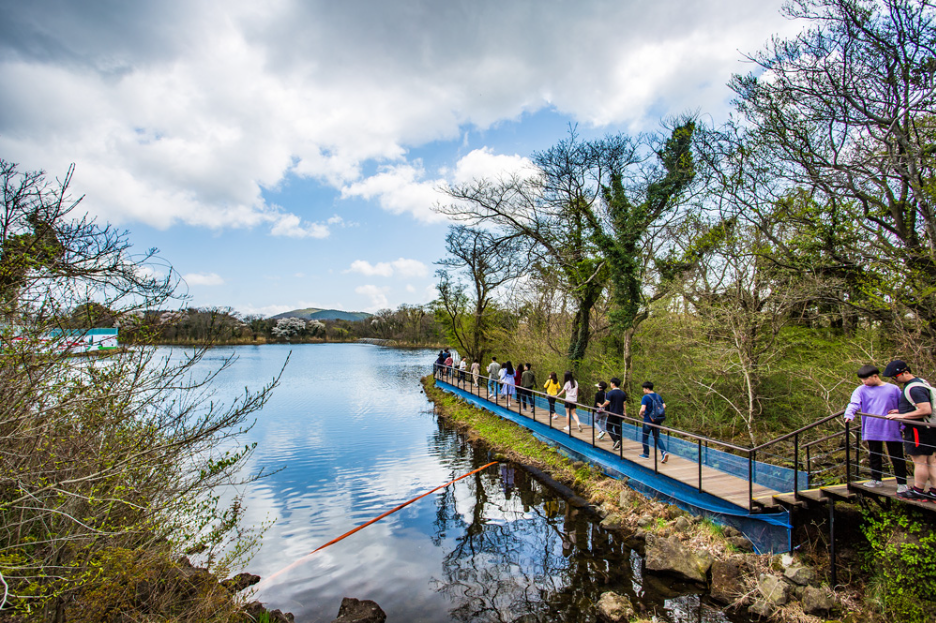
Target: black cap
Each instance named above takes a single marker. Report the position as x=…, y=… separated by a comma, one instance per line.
x=896, y=367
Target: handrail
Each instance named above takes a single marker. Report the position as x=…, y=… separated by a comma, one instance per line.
x=799, y=430
x=726, y=444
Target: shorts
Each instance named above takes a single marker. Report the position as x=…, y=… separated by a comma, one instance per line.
x=569, y=405
x=919, y=440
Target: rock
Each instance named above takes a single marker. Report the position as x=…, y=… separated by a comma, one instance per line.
x=775, y=591
x=255, y=611
x=612, y=522
x=668, y=555
x=682, y=524
x=726, y=582
x=799, y=574
x=640, y=535
x=673, y=511
x=740, y=543
x=644, y=522
x=615, y=608
x=240, y=581
x=626, y=498
x=817, y=601
x=761, y=608
x=730, y=531
x=787, y=560
x=359, y=611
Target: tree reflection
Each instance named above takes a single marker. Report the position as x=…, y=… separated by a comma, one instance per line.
x=517, y=553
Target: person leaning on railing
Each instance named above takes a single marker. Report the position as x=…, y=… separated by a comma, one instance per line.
x=916, y=405
x=875, y=397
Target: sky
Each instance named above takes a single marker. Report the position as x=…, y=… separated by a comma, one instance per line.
x=288, y=154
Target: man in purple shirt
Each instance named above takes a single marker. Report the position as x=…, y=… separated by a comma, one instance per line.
x=875, y=397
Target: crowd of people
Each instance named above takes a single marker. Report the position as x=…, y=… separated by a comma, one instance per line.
x=519, y=383
x=904, y=426
x=901, y=427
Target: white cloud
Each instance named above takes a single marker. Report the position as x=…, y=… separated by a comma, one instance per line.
x=401, y=189
x=410, y=288
x=203, y=279
x=401, y=267
x=186, y=113
x=292, y=226
x=377, y=296
x=484, y=164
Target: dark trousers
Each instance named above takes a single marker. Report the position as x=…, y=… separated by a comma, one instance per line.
x=647, y=429
x=876, y=459
x=552, y=404
x=526, y=396
x=614, y=426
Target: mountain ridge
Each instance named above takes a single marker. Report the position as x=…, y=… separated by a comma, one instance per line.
x=315, y=313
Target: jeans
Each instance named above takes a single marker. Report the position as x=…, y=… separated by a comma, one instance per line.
x=601, y=421
x=876, y=459
x=493, y=387
x=552, y=404
x=647, y=429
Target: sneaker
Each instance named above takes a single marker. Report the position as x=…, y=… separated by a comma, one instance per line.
x=616, y=446
x=565, y=428
x=555, y=417
x=644, y=456
x=929, y=495
x=912, y=493
x=873, y=484
x=601, y=435
x=901, y=488
x=665, y=457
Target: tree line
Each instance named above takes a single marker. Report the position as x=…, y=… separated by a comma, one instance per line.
x=747, y=268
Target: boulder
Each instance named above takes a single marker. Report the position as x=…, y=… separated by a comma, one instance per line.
x=668, y=555
x=740, y=543
x=359, y=611
x=612, y=522
x=761, y=608
x=798, y=574
x=627, y=498
x=644, y=522
x=240, y=581
x=730, y=531
x=255, y=611
x=776, y=592
x=817, y=601
x=615, y=608
x=682, y=524
x=726, y=582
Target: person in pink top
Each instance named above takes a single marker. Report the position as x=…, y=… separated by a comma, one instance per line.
x=875, y=397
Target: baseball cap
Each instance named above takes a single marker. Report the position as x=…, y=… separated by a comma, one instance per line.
x=896, y=367
x=601, y=385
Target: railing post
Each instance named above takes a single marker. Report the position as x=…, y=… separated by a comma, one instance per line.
x=699, y=444
x=795, y=464
x=750, y=476
x=847, y=456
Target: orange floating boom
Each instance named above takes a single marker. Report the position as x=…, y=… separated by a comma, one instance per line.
x=364, y=525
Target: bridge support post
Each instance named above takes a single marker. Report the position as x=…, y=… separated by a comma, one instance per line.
x=832, y=579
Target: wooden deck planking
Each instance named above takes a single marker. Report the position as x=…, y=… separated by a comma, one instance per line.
x=717, y=483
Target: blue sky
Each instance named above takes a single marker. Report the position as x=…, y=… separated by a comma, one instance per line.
x=288, y=154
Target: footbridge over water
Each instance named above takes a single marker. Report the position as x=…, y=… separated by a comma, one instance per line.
x=756, y=489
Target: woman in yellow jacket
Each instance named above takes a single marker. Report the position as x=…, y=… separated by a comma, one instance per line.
x=552, y=388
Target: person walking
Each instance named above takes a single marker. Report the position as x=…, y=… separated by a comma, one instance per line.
x=462, y=368
x=527, y=382
x=475, y=371
x=616, y=406
x=493, y=371
x=653, y=410
x=449, y=362
x=507, y=381
x=570, y=389
x=601, y=416
x=552, y=388
x=916, y=407
x=875, y=397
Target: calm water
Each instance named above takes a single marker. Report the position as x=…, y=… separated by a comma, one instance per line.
x=355, y=437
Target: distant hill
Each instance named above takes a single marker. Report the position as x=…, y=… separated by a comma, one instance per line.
x=313, y=313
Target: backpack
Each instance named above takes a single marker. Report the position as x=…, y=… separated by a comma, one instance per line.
x=656, y=411
x=931, y=418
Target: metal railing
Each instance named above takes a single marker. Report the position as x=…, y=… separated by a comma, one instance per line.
x=821, y=453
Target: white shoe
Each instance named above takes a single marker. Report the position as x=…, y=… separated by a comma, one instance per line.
x=555, y=417
x=601, y=435
x=902, y=488
x=873, y=483
x=566, y=428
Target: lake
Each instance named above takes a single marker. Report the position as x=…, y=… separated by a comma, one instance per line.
x=353, y=436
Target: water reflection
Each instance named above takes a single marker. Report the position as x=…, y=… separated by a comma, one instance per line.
x=355, y=437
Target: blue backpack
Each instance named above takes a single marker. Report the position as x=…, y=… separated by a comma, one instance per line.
x=656, y=412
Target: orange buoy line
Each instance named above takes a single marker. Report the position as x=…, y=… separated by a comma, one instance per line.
x=364, y=525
